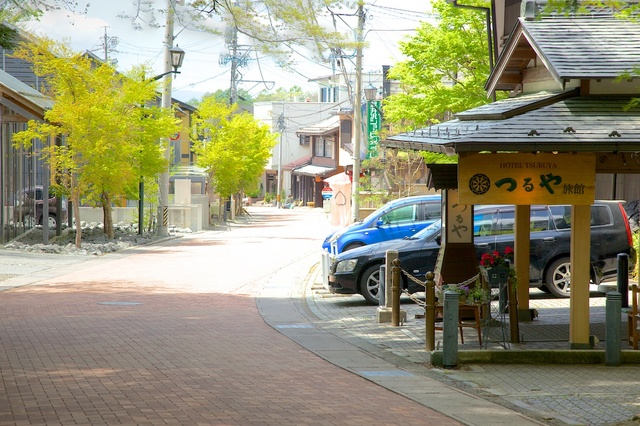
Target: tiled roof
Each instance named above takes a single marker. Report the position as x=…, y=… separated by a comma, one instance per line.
x=570, y=47
x=579, y=124
x=324, y=127
x=586, y=47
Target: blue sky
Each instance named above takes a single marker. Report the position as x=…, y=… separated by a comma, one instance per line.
x=388, y=21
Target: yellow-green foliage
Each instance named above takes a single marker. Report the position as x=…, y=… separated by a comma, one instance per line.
x=233, y=147
x=110, y=139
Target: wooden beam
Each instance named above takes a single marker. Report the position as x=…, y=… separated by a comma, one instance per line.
x=580, y=277
x=621, y=162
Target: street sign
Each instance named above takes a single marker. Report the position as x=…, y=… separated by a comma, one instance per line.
x=327, y=193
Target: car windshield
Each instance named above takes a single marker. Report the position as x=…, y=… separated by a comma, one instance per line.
x=428, y=232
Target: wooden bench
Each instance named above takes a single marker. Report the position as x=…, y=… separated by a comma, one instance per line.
x=633, y=317
x=468, y=316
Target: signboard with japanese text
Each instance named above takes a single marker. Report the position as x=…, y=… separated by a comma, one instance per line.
x=374, y=123
x=457, y=220
x=527, y=178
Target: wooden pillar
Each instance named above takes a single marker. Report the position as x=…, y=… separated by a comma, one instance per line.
x=522, y=247
x=580, y=267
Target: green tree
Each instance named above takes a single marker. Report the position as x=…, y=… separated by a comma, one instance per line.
x=233, y=147
x=446, y=71
x=111, y=141
x=274, y=26
x=293, y=94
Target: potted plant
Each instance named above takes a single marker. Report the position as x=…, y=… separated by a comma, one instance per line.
x=496, y=267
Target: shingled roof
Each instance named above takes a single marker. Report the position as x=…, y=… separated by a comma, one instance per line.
x=579, y=47
x=577, y=124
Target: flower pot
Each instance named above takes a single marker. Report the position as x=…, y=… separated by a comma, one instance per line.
x=497, y=275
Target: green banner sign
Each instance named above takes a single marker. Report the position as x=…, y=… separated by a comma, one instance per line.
x=374, y=123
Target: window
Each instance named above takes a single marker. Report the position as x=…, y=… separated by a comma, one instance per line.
x=402, y=214
x=561, y=216
x=539, y=221
x=305, y=140
x=482, y=224
x=600, y=216
x=506, y=222
x=323, y=147
x=432, y=211
x=319, y=147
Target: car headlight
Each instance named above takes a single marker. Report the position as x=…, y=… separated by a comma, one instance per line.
x=346, y=265
x=335, y=236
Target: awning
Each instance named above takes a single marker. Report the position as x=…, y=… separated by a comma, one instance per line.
x=322, y=128
x=312, y=170
x=297, y=163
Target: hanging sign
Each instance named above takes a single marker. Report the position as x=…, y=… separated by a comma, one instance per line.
x=457, y=220
x=527, y=179
x=374, y=124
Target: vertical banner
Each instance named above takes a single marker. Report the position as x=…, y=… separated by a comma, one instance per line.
x=457, y=219
x=374, y=123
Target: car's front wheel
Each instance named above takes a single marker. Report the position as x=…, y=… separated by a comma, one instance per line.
x=558, y=278
x=351, y=246
x=370, y=284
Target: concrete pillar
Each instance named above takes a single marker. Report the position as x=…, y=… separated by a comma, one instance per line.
x=613, y=336
x=450, y=329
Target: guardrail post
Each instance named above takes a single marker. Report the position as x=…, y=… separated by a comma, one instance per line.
x=395, y=293
x=450, y=329
x=613, y=310
x=430, y=313
x=623, y=278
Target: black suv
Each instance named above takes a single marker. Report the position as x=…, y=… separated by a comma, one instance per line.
x=357, y=271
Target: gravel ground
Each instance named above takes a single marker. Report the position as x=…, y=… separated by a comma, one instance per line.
x=94, y=241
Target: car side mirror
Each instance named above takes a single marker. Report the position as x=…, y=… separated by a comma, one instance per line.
x=439, y=239
x=379, y=223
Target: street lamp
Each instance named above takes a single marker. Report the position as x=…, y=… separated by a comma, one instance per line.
x=370, y=92
x=177, y=56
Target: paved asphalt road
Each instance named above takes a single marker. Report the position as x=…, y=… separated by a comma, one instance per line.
x=170, y=334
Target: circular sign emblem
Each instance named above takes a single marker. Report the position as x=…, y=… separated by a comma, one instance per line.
x=479, y=184
x=327, y=192
x=175, y=136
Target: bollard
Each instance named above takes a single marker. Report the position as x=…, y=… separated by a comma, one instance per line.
x=514, y=327
x=326, y=265
x=450, y=329
x=613, y=310
x=382, y=287
x=623, y=278
x=430, y=313
x=395, y=293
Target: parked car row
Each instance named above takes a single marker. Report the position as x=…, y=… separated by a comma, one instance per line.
x=357, y=271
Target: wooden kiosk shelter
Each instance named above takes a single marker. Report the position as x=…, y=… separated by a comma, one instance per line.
x=569, y=134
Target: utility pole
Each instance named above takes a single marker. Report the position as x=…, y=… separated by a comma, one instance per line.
x=108, y=45
x=281, y=129
x=233, y=90
x=357, y=117
x=163, y=205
